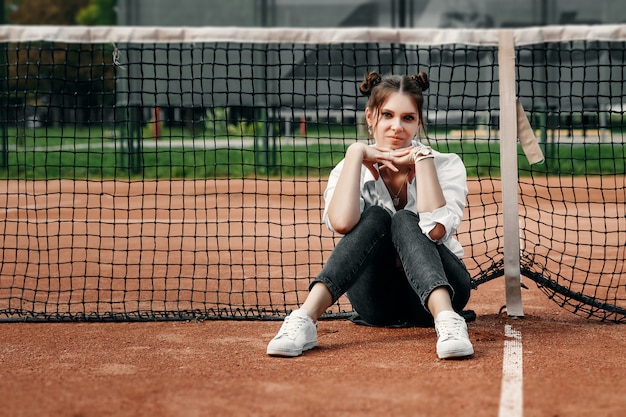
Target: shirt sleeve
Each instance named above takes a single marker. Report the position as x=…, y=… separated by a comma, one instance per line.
x=453, y=179
x=328, y=194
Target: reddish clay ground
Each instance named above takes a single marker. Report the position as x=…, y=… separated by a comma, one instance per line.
x=572, y=367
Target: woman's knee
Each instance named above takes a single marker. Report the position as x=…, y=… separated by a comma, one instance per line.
x=376, y=211
x=404, y=217
x=405, y=221
x=376, y=215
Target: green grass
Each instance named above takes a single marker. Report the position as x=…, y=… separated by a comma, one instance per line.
x=288, y=161
x=96, y=154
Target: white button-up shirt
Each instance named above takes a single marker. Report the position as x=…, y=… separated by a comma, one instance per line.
x=452, y=178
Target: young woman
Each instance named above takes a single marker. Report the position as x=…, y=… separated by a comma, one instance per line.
x=397, y=204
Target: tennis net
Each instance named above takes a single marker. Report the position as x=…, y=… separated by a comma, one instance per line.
x=177, y=173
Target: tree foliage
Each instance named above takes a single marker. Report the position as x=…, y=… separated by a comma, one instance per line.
x=58, y=75
x=98, y=12
x=46, y=12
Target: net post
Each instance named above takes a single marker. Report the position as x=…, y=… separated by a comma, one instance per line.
x=509, y=176
x=4, y=134
x=131, y=146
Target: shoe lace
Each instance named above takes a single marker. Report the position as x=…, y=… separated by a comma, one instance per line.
x=291, y=326
x=450, y=328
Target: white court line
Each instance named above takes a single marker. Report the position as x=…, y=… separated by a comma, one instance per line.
x=511, y=395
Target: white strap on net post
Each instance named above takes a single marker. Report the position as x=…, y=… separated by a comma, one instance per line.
x=527, y=137
x=509, y=176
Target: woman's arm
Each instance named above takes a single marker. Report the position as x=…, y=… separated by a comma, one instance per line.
x=441, y=222
x=344, y=208
x=429, y=193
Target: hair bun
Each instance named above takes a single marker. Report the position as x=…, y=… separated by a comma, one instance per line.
x=421, y=80
x=371, y=80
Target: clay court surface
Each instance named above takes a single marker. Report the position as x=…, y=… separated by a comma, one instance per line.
x=571, y=367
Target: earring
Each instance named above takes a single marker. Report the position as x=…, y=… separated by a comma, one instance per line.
x=369, y=130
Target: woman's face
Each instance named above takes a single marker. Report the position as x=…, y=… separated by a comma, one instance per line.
x=397, y=122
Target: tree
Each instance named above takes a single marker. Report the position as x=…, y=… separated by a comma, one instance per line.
x=71, y=81
x=99, y=12
x=46, y=12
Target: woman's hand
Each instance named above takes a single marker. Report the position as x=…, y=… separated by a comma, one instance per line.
x=386, y=158
x=371, y=157
x=394, y=158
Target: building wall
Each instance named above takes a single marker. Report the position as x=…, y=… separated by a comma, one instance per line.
x=188, y=13
x=371, y=13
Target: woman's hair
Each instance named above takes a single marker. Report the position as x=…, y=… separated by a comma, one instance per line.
x=378, y=88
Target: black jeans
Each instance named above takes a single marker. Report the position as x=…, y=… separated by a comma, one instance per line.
x=387, y=268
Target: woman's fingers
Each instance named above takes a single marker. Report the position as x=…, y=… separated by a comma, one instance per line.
x=388, y=164
x=371, y=167
x=393, y=158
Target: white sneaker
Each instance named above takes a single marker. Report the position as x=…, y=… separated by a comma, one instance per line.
x=297, y=334
x=453, y=340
